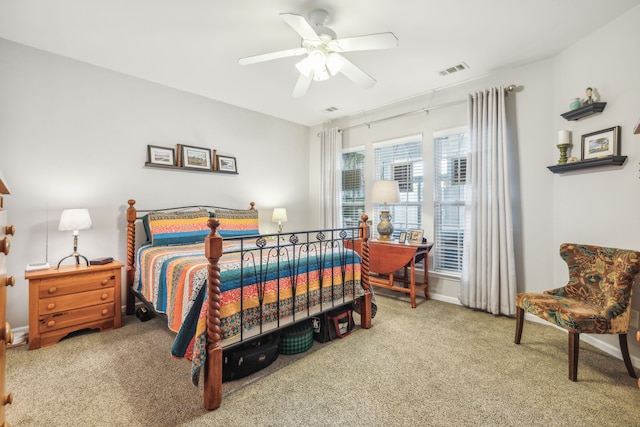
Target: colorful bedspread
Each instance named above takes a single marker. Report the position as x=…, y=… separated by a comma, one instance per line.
x=262, y=287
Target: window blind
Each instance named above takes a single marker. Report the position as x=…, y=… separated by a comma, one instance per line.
x=449, y=199
x=353, y=189
x=401, y=160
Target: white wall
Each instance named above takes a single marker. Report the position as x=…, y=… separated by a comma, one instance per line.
x=596, y=206
x=75, y=135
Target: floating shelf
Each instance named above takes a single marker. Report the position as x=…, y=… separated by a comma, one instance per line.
x=590, y=163
x=585, y=111
x=186, y=169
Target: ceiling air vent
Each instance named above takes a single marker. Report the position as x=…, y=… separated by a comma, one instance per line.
x=450, y=70
x=330, y=109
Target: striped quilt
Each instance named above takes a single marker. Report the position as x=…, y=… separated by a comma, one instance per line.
x=255, y=297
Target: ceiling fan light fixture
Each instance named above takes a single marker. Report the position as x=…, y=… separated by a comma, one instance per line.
x=334, y=63
x=320, y=66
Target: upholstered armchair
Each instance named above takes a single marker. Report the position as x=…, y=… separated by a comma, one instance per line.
x=597, y=299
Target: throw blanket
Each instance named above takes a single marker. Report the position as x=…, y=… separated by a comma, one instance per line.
x=262, y=288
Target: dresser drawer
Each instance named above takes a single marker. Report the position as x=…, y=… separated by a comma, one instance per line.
x=70, y=302
x=68, y=318
x=66, y=285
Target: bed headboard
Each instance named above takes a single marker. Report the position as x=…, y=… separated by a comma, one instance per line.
x=139, y=232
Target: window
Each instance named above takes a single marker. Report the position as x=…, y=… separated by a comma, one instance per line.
x=449, y=198
x=352, y=187
x=401, y=160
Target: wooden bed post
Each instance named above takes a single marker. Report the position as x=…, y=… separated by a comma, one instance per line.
x=131, y=240
x=365, y=314
x=213, y=361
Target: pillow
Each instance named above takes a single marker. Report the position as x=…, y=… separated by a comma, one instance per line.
x=235, y=223
x=178, y=228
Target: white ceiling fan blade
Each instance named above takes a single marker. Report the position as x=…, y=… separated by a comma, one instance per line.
x=302, y=85
x=369, y=42
x=273, y=55
x=300, y=26
x=356, y=75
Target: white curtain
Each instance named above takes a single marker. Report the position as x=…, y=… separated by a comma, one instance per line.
x=331, y=178
x=488, y=279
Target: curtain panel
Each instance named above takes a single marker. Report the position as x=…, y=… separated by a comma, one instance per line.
x=331, y=178
x=488, y=280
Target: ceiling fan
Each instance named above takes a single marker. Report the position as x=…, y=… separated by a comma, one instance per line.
x=323, y=51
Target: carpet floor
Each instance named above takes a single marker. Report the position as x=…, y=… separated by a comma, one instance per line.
x=436, y=365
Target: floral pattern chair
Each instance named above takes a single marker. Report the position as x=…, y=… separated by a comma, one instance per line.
x=597, y=299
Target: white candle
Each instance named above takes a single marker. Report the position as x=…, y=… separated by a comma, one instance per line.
x=564, y=137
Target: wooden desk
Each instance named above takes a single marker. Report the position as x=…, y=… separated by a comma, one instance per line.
x=385, y=258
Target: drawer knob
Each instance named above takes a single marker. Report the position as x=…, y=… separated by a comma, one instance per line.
x=7, y=334
x=7, y=399
x=104, y=296
x=51, y=323
x=51, y=306
x=104, y=282
x=53, y=290
x=10, y=230
x=105, y=311
x=5, y=245
x=10, y=281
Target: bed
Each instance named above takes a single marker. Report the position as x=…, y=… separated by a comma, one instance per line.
x=239, y=284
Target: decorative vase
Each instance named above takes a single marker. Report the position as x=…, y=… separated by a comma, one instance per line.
x=385, y=228
x=575, y=103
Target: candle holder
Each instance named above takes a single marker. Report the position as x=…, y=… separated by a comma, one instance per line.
x=563, y=153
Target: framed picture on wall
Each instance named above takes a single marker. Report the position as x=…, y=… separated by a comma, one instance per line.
x=602, y=143
x=226, y=164
x=196, y=157
x=161, y=155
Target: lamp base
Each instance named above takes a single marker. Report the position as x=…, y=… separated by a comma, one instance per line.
x=385, y=228
x=77, y=257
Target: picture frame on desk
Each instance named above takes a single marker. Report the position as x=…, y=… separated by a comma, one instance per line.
x=403, y=237
x=415, y=237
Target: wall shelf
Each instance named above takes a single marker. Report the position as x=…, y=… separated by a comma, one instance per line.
x=585, y=111
x=186, y=169
x=590, y=163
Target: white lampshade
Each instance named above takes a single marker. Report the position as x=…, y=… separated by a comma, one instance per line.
x=385, y=192
x=279, y=215
x=74, y=220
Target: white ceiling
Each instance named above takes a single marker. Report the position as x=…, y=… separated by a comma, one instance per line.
x=194, y=45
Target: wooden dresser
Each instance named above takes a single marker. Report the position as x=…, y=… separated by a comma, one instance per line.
x=6, y=337
x=72, y=298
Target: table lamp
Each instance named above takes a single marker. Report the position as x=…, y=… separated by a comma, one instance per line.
x=385, y=192
x=279, y=216
x=75, y=220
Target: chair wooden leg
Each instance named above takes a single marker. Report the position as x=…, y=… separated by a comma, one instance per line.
x=624, y=348
x=519, y=324
x=574, y=349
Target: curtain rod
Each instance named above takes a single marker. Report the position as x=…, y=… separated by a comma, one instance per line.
x=510, y=88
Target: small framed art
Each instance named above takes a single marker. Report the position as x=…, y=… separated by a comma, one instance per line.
x=403, y=237
x=196, y=157
x=161, y=155
x=415, y=237
x=226, y=164
x=602, y=143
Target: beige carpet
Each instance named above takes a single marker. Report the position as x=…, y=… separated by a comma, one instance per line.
x=436, y=365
